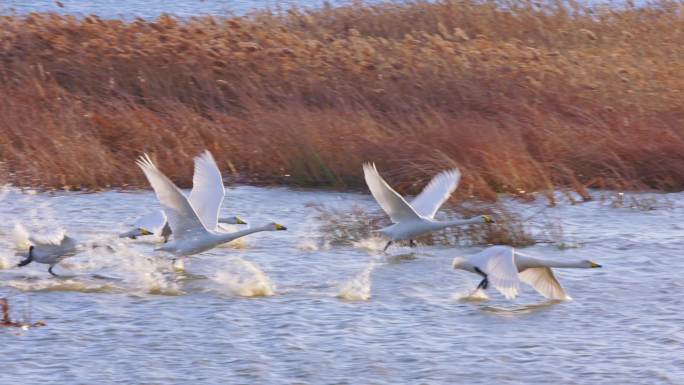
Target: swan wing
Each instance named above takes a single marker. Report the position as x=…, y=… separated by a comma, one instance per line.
x=152, y=222
x=499, y=264
x=391, y=202
x=436, y=193
x=207, y=190
x=43, y=240
x=544, y=281
x=182, y=218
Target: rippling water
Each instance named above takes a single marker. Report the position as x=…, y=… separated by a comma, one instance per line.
x=153, y=8
x=285, y=307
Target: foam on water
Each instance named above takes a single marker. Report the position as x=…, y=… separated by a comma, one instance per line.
x=477, y=295
x=39, y=283
x=309, y=243
x=371, y=244
x=238, y=277
x=421, y=326
x=358, y=288
x=145, y=274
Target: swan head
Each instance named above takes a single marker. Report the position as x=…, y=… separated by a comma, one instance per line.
x=144, y=232
x=487, y=219
x=232, y=221
x=461, y=263
x=591, y=264
x=275, y=226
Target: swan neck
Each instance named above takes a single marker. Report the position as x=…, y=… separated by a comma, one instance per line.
x=238, y=234
x=459, y=222
x=565, y=264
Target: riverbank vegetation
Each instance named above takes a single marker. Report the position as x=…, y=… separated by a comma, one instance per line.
x=522, y=97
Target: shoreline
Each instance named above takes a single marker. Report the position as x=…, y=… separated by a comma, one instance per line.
x=519, y=99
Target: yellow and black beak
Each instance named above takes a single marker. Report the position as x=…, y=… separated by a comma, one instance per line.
x=487, y=219
x=278, y=226
x=594, y=265
x=145, y=232
x=239, y=221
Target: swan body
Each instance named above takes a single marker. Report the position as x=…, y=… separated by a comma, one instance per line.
x=199, y=244
x=155, y=223
x=50, y=251
x=193, y=226
x=206, y=197
x=505, y=268
x=411, y=220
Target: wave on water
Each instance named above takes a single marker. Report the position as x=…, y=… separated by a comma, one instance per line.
x=243, y=278
x=358, y=288
x=519, y=309
x=477, y=295
x=75, y=284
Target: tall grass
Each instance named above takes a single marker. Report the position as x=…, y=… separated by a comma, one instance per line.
x=523, y=97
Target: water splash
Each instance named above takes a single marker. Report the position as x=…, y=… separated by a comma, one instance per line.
x=310, y=244
x=20, y=237
x=7, y=261
x=371, y=244
x=358, y=288
x=146, y=274
x=243, y=278
x=477, y=295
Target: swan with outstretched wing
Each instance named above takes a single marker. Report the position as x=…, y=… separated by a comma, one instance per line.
x=411, y=220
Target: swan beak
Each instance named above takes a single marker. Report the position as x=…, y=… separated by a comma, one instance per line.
x=487, y=219
x=145, y=232
x=595, y=265
x=239, y=221
x=278, y=226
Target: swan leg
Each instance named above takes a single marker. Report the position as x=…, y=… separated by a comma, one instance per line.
x=52, y=272
x=28, y=259
x=166, y=232
x=412, y=243
x=484, y=284
x=388, y=245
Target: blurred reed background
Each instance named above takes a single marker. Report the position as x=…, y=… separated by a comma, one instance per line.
x=522, y=96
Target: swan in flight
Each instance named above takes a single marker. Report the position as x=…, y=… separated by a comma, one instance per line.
x=50, y=251
x=205, y=195
x=194, y=227
x=505, y=268
x=410, y=220
x=155, y=223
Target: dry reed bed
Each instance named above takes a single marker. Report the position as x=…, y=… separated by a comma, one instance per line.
x=522, y=98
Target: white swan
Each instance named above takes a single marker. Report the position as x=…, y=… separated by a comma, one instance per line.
x=206, y=196
x=155, y=223
x=192, y=235
x=417, y=218
x=50, y=251
x=505, y=268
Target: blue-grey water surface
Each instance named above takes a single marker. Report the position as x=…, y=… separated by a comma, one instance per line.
x=289, y=308
x=129, y=9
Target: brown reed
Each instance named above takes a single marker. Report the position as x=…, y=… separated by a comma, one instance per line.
x=522, y=97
